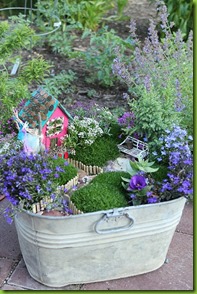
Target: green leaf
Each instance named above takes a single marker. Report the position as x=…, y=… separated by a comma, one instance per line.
x=149, y=169
x=125, y=179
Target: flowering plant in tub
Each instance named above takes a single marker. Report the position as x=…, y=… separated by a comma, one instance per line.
x=140, y=184
x=26, y=179
x=169, y=177
x=175, y=178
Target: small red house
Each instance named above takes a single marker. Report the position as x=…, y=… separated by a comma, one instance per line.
x=54, y=117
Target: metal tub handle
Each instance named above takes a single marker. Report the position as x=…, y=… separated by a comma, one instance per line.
x=115, y=214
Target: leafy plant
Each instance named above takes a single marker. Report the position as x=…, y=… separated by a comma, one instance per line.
x=141, y=165
x=12, y=91
x=140, y=183
x=62, y=43
x=100, y=55
x=60, y=83
x=74, y=15
x=68, y=170
x=13, y=39
x=152, y=117
x=163, y=70
x=79, y=14
x=180, y=12
x=82, y=132
x=104, y=192
x=35, y=70
x=28, y=178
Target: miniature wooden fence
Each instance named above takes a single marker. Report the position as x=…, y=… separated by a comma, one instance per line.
x=89, y=169
x=71, y=183
x=40, y=206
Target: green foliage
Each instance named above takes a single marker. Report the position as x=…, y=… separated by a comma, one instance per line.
x=82, y=133
x=141, y=165
x=79, y=14
x=15, y=37
x=3, y=28
x=161, y=173
x=104, y=192
x=62, y=43
x=12, y=90
x=100, y=55
x=121, y=4
x=180, y=12
x=162, y=72
x=115, y=132
x=101, y=151
x=152, y=117
x=74, y=15
x=35, y=70
x=60, y=83
x=68, y=173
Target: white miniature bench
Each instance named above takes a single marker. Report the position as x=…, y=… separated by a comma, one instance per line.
x=138, y=148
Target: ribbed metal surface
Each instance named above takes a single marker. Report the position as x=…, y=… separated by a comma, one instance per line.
x=68, y=250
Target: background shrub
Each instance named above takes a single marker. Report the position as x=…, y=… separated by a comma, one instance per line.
x=162, y=69
x=15, y=36
x=181, y=13
x=100, y=54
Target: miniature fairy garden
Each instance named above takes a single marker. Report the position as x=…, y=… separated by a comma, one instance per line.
x=64, y=157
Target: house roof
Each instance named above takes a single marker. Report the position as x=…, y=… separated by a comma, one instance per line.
x=43, y=103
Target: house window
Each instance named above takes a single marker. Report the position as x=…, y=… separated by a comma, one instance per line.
x=55, y=126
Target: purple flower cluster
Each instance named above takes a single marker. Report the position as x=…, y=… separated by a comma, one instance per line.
x=8, y=127
x=59, y=203
x=127, y=120
x=180, y=163
x=139, y=190
x=27, y=178
x=163, y=67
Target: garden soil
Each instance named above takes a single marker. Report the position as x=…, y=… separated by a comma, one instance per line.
x=111, y=97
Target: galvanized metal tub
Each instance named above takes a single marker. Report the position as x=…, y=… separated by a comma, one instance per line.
x=97, y=246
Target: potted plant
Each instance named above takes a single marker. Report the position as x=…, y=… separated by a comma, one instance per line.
x=108, y=241
x=26, y=179
x=129, y=218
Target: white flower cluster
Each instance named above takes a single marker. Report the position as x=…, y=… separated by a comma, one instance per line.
x=83, y=132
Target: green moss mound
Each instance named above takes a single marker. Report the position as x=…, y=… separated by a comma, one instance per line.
x=69, y=170
x=102, y=193
x=101, y=151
